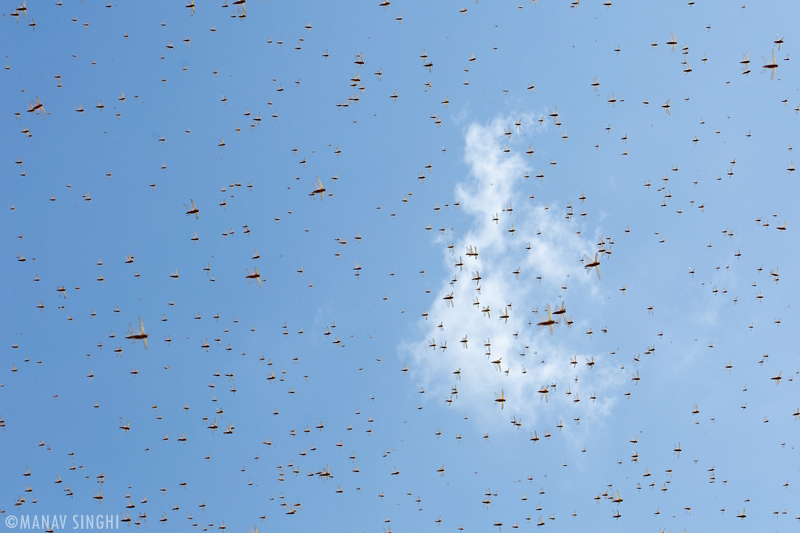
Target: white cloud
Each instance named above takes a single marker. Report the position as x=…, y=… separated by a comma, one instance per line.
x=495, y=183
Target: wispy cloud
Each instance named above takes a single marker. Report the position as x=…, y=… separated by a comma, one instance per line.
x=545, y=249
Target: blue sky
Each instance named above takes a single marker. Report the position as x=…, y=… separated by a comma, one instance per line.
x=697, y=246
